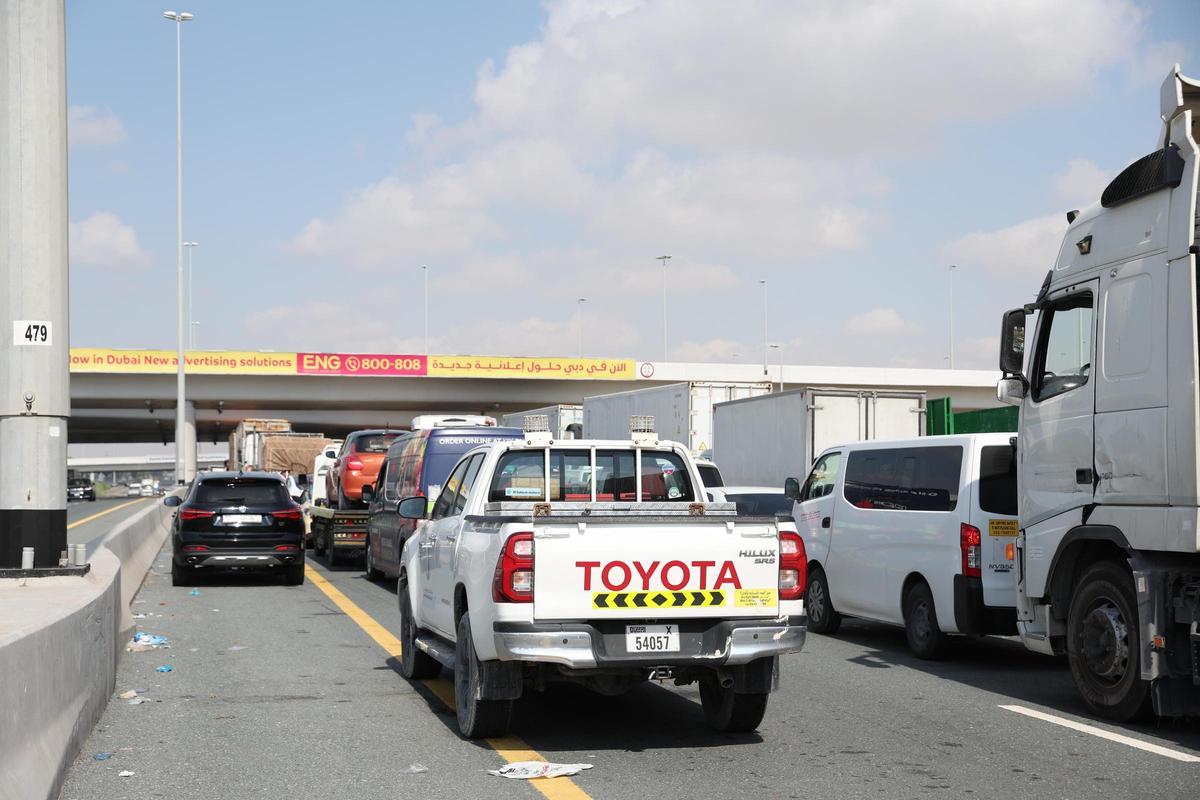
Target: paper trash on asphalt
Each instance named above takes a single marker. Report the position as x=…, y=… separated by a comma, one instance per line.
x=527, y=770
x=126, y=773
x=129, y=695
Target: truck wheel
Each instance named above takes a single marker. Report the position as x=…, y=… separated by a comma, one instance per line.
x=727, y=711
x=414, y=664
x=822, y=618
x=294, y=575
x=925, y=638
x=477, y=719
x=182, y=576
x=1104, y=643
x=373, y=573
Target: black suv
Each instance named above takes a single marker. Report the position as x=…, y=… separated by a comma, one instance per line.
x=80, y=489
x=237, y=520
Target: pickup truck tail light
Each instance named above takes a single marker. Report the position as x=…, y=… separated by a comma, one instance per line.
x=969, y=540
x=354, y=464
x=513, y=582
x=192, y=513
x=793, y=566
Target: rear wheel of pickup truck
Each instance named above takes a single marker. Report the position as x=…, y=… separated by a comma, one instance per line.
x=414, y=664
x=477, y=719
x=730, y=712
x=822, y=618
x=1103, y=643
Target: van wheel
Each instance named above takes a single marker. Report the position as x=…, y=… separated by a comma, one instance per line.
x=477, y=719
x=1103, y=644
x=414, y=664
x=822, y=618
x=727, y=711
x=373, y=573
x=925, y=638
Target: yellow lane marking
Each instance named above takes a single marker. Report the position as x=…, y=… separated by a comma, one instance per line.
x=85, y=520
x=510, y=748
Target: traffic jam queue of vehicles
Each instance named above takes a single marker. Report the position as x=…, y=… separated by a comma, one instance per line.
x=595, y=562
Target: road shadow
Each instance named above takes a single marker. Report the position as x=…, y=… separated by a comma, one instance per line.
x=343, y=563
x=1003, y=666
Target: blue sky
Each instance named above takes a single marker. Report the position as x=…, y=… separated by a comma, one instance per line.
x=846, y=152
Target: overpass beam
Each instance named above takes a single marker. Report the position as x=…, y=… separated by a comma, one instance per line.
x=35, y=397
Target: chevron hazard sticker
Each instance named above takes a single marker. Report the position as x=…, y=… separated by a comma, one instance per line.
x=633, y=600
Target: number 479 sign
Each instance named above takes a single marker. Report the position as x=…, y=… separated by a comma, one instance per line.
x=31, y=332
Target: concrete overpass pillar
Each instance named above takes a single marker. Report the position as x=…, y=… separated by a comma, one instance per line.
x=35, y=397
x=189, y=441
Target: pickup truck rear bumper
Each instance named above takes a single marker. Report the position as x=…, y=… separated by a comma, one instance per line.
x=580, y=645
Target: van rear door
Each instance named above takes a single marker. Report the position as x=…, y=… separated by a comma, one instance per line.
x=994, y=513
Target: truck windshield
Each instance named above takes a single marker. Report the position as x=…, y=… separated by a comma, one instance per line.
x=520, y=476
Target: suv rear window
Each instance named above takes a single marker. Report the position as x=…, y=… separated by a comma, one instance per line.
x=520, y=476
x=998, y=480
x=374, y=442
x=904, y=478
x=240, y=492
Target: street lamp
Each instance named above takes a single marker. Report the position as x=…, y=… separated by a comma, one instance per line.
x=425, y=273
x=952, y=268
x=664, y=260
x=180, y=410
x=579, y=321
x=778, y=348
x=765, y=354
x=191, y=294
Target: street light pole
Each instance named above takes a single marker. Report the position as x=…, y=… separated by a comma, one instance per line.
x=180, y=402
x=952, y=268
x=765, y=348
x=191, y=295
x=664, y=260
x=579, y=322
x=778, y=348
x=425, y=273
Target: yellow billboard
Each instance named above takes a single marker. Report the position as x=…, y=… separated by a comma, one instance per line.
x=537, y=368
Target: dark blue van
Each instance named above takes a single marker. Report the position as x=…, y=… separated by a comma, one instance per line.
x=417, y=463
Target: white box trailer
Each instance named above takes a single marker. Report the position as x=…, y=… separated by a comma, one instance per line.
x=562, y=417
x=761, y=441
x=683, y=412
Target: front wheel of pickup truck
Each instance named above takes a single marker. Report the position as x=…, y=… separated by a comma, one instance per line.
x=414, y=664
x=477, y=719
x=730, y=712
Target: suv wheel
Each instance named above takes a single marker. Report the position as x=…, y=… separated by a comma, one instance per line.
x=294, y=575
x=477, y=719
x=181, y=576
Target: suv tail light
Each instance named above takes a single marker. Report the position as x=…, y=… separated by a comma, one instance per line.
x=291, y=513
x=192, y=513
x=354, y=464
x=513, y=582
x=195, y=548
x=972, y=550
x=793, y=566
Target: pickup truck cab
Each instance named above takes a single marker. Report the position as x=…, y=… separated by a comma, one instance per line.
x=597, y=563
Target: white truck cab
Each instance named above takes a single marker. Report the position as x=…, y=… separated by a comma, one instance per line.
x=599, y=563
x=1109, y=436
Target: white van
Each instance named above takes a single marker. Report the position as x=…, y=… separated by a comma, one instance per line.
x=914, y=532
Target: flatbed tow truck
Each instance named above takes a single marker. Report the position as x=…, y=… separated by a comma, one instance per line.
x=339, y=535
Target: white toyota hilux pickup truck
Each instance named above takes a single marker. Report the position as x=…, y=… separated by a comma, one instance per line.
x=598, y=563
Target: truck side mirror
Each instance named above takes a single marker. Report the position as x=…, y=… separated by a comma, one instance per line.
x=1011, y=390
x=1012, y=342
x=368, y=493
x=791, y=488
x=411, y=507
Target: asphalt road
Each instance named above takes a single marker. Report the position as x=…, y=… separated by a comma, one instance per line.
x=87, y=521
x=279, y=692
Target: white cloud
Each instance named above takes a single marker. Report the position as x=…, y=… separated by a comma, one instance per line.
x=1157, y=59
x=1080, y=184
x=102, y=240
x=88, y=126
x=981, y=352
x=486, y=275
x=1025, y=250
x=880, y=322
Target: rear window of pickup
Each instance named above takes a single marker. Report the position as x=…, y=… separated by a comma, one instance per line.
x=521, y=476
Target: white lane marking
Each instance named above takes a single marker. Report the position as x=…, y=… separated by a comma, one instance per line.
x=1178, y=755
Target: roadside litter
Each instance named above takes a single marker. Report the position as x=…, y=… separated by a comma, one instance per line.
x=164, y=668
x=236, y=647
x=528, y=770
x=145, y=641
x=137, y=701
x=416, y=769
x=105, y=756
x=126, y=773
x=129, y=695
x=194, y=593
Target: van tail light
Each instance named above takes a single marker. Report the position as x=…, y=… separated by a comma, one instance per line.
x=354, y=464
x=291, y=513
x=793, y=566
x=970, y=541
x=192, y=513
x=513, y=582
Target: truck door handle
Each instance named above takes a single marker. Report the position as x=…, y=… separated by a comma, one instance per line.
x=825, y=521
x=1083, y=477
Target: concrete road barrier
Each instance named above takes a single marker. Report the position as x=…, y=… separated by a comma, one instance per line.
x=60, y=639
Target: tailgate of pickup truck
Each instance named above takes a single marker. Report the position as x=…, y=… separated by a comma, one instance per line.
x=671, y=568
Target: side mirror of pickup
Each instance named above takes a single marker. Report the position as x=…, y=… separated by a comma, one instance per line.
x=368, y=493
x=1012, y=342
x=411, y=507
x=791, y=488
